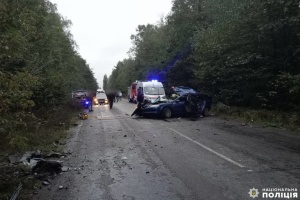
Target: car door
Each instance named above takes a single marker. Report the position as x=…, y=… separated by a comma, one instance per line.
x=179, y=105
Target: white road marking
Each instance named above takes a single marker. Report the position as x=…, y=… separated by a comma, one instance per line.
x=209, y=149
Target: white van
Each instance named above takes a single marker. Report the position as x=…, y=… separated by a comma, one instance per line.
x=101, y=97
x=152, y=90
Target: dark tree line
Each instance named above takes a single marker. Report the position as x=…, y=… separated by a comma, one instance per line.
x=242, y=52
x=39, y=66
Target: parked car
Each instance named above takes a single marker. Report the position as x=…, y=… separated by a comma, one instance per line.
x=187, y=102
x=78, y=93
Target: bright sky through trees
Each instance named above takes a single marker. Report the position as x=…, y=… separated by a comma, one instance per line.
x=102, y=29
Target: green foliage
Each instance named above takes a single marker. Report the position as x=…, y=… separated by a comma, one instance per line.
x=16, y=91
x=243, y=53
x=284, y=91
x=240, y=57
x=271, y=118
x=39, y=67
x=123, y=75
x=19, y=143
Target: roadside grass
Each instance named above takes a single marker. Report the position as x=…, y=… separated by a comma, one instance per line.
x=10, y=182
x=48, y=135
x=263, y=117
x=41, y=135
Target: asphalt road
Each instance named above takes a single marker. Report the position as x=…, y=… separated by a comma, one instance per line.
x=115, y=156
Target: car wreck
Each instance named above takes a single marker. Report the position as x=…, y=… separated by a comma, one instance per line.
x=185, y=102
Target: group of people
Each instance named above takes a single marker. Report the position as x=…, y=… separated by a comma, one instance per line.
x=85, y=99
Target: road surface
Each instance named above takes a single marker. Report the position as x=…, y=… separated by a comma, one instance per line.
x=115, y=156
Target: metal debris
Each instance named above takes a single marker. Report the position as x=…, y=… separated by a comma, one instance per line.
x=17, y=192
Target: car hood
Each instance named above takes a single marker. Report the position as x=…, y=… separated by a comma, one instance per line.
x=181, y=90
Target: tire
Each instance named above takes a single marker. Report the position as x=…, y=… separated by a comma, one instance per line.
x=166, y=112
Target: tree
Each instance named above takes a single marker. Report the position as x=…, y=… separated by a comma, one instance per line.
x=244, y=53
x=39, y=66
x=105, y=82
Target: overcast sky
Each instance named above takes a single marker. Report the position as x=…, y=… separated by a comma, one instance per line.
x=102, y=28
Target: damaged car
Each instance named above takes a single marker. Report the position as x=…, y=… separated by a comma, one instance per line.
x=186, y=102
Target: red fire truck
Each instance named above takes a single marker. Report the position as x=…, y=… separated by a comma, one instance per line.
x=132, y=92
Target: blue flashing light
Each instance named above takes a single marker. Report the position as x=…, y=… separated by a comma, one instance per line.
x=86, y=102
x=154, y=81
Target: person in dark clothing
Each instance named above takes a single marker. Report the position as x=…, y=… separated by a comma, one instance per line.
x=110, y=97
x=140, y=97
x=89, y=96
x=140, y=100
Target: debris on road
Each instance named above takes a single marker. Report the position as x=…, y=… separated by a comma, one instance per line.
x=45, y=183
x=69, y=151
x=53, y=155
x=47, y=167
x=64, y=169
x=83, y=116
x=19, y=158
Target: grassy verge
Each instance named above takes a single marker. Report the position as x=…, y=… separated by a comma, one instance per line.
x=38, y=134
x=268, y=118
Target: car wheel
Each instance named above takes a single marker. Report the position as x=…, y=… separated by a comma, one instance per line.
x=166, y=112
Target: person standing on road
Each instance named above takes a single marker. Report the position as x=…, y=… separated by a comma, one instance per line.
x=89, y=97
x=140, y=97
x=140, y=100
x=120, y=96
x=110, y=97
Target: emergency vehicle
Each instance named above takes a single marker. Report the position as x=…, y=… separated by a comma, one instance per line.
x=151, y=90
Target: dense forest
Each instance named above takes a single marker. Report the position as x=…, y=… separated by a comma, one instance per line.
x=39, y=67
x=242, y=52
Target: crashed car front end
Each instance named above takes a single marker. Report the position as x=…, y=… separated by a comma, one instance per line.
x=188, y=102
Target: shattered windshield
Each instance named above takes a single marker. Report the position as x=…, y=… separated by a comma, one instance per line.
x=154, y=90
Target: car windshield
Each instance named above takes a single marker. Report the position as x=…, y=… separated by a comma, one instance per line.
x=154, y=90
